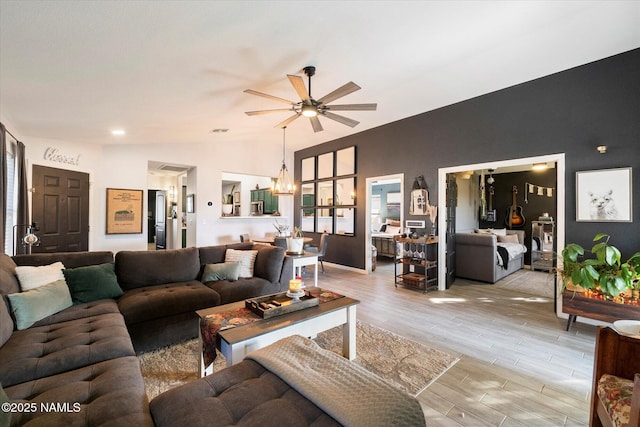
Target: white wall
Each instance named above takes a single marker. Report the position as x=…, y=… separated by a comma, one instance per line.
x=125, y=166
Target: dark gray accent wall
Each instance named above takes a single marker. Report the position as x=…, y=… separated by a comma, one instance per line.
x=569, y=112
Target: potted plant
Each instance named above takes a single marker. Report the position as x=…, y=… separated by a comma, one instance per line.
x=227, y=202
x=605, y=274
x=295, y=243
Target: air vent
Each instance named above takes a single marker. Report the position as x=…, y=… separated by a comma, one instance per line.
x=172, y=168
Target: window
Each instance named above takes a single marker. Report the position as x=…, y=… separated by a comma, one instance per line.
x=329, y=192
x=12, y=182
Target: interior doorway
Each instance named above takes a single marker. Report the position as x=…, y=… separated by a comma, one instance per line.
x=558, y=159
x=389, y=204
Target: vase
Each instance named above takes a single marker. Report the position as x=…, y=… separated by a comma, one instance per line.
x=295, y=245
x=227, y=209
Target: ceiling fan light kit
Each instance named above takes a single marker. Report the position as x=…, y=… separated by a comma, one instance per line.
x=312, y=108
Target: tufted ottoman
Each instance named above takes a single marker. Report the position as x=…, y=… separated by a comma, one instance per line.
x=242, y=394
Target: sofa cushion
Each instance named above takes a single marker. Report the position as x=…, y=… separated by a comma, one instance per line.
x=81, y=311
x=508, y=238
x=221, y=271
x=92, y=282
x=6, y=322
x=107, y=393
x=242, y=394
x=69, y=259
x=31, y=277
x=152, y=302
x=5, y=416
x=8, y=281
x=36, y=304
x=268, y=264
x=216, y=254
x=242, y=289
x=137, y=269
x=42, y=351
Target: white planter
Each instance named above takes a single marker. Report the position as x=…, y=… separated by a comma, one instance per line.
x=295, y=244
x=227, y=209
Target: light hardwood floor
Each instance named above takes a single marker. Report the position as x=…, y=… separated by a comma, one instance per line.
x=518, y=366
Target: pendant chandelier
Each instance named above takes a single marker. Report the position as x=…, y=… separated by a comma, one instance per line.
x=283, y=185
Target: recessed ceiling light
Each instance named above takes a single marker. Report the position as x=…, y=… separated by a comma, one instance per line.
x=118, y=132
x=539, y=166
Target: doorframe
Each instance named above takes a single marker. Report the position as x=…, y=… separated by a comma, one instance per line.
x=558, y=158
x=367, y=235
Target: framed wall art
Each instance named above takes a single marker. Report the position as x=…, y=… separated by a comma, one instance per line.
x=604, y=195
x=124, y=211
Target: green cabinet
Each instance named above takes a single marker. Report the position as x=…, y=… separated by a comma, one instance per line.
x=269, y=201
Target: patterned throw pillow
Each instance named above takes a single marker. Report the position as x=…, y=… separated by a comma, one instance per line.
x=245, y=258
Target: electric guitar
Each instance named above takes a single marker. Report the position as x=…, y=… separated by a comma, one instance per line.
x=491, y=213
x=515, y=218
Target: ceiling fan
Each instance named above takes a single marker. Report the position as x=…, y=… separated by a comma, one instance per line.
x=312, y=108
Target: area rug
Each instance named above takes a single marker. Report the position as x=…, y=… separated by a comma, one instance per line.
x=406, y=364
x=529, y=282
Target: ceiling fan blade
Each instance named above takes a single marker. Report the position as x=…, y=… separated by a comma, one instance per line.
x=342, y=119
x=260, y=112
x=343, y=90
x=298, y=84
x=352, y=107
x=315, y=123
x=287, y=121
x=264, y=95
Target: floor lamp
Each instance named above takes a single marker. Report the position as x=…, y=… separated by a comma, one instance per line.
x=30, y=239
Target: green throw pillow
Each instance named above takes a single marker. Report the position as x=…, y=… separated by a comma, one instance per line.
x=221, y=271
x=92, y=282
x=30, y=306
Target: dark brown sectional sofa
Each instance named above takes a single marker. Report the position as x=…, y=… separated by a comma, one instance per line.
x=83, y=358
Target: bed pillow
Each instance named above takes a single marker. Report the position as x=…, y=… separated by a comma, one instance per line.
x=221, y=271
x=92, y=282
x=36, y=304
x=246, y=259
x=31, y=277
x=509, y=238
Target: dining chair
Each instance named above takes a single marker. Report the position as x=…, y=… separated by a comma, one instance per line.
x=320, y=250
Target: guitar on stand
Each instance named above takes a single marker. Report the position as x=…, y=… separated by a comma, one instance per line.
x=515, y=218
x=491, y=213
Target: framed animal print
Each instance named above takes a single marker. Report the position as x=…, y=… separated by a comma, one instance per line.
x=604, y=195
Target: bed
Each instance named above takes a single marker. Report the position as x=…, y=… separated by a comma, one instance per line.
x=383, y=239
x=489, y=255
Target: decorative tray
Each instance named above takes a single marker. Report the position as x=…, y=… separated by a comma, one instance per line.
x=295, y=253
x=267, y=306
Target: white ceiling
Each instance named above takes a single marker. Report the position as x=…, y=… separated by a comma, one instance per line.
x=171, y=72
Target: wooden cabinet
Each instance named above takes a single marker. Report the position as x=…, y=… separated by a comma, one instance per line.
x=416, y=263
x=542, y=255
x=264, y=195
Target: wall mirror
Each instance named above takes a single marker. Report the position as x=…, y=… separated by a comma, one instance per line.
x=329, y=192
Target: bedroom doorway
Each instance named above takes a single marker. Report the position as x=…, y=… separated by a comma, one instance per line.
x=385, y=201
x=558, y=159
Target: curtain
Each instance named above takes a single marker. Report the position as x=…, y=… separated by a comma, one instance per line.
x=3, y=183
x=23, y=198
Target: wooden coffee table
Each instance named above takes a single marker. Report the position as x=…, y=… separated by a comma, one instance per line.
x=236, y=342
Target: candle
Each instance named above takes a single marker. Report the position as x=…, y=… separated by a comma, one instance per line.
x=295, y=285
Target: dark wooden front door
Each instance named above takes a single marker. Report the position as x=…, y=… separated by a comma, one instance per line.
x=161, y=220
x=61, y=209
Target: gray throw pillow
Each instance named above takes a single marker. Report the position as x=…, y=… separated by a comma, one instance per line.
x=221, y=271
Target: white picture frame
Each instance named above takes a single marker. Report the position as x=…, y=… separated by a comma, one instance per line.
x=604, y=195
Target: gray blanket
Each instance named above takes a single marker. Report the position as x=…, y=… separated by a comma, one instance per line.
x=349, y=393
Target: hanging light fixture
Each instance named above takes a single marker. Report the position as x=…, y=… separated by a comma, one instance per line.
x=283, y=185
